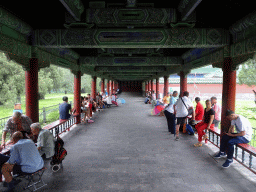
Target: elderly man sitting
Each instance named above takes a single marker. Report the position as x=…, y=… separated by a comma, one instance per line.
x=17, y=122
x=24, y=158
x=45, y=141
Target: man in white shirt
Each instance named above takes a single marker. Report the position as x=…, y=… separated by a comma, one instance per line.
x=181, y=111
x=45, y=141
x=243, y=135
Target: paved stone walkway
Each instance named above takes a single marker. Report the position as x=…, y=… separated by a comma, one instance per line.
x=127, y=149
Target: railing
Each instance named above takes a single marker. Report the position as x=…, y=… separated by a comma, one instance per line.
x=63, y=127
x=243, y=154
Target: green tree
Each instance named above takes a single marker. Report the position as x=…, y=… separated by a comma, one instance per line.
x=86, y=83
x=45, y=83
x=67, y=81
x=247, y=74
x=56, y=75
x=12, y=81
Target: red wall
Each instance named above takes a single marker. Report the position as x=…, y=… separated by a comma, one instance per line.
x=209, y=88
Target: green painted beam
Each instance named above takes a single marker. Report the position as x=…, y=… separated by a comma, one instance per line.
x=74, y=7
x=129, y=51
x=129, y=73
x=128, y=61
x=131, y=69
x=244, y=28
x=14, y=22
x=243, y=50
x=122, y=17
x=131, y=38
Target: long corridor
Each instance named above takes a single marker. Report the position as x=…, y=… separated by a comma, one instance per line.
x=127, y=149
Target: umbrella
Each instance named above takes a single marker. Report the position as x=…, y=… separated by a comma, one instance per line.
x=120, y=100
x=157, y=109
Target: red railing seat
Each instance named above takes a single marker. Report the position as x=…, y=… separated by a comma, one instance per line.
x=248, y=148
x=54, y=124
x=215, y=130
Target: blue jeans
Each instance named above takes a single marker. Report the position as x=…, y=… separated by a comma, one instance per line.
x=228, y=142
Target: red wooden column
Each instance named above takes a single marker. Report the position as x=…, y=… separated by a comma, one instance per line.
x=77, y=95
x=31, y=87
x=183, y=83
x=157, y=88
x=228, y=92
x=93, y=89
x=108, y=83
x=152, y=85
x=149, y=86
x=103, y=85
x=112, y=87
x=115, y=86
x=166, y=85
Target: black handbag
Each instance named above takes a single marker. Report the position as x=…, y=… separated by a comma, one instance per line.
x=190, y=111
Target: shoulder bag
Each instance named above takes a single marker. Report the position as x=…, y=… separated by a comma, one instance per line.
x=190, y=111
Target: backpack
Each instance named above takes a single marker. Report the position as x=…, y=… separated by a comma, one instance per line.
x=60, y=152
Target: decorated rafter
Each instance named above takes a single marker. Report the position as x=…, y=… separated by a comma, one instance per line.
x=128, y=61
x=131, y=38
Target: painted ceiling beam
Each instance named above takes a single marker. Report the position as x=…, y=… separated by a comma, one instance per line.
x=186, y=7
x=14, y=22
x=74, y=7
x=244, y=28
x=131, y=38
x=138, y=17
x=131, y=74
x=127, y=61
x=126, y=69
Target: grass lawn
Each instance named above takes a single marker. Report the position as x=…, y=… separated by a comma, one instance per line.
x=50, y=99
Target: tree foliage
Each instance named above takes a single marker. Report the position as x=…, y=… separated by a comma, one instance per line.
x=247, y=74
x=50, y=79
x=12, y=81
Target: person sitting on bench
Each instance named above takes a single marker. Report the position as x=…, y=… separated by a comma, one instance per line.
x=243, y=135
x=24, y=158
x=45, y=141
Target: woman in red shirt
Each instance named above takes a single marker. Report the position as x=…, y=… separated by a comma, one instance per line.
x=199, y=112
x=206, y=123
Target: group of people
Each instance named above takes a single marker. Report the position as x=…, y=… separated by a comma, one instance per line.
x=179, y=109
x=151, y=99
x=32, y=148
x=89, y=105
